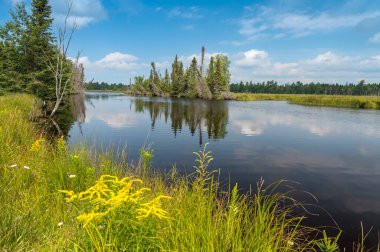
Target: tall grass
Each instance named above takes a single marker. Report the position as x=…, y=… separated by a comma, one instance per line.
x=100, y=210
x=363, y=102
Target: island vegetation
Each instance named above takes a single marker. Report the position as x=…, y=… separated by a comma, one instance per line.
x=189, y=82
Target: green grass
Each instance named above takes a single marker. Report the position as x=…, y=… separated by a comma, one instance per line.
x=35, y=216
x=363, y=102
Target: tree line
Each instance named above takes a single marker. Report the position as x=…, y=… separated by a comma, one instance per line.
x=272, y=87
x=103, y=86
x=31, y=55
x=188, y=82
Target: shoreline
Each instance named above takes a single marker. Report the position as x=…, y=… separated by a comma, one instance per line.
x=337, y=101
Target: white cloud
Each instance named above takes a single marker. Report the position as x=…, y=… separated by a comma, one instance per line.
x=256, y=65
x=115, y=60
x=375, y=39
x=83, y=12
x=253, y=58
x=329, y=67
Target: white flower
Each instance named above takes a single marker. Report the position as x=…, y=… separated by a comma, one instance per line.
x=13, y=166
x=60, y=224
x=72, y=175
x=26, y=167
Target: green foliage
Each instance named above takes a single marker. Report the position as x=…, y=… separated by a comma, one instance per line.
x=27, y=48
x=187, y=82
x=177, y=76
x=359, y=102
x=328, y=244
x=272, y=87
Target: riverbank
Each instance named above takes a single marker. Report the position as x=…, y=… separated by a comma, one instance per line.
x=362, y=102
x=339, y=101
x=42, y=207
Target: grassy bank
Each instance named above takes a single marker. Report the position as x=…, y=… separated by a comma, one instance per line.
x=55, y=199
x=364, y=102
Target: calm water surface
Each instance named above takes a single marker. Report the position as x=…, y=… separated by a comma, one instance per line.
x=333, y=153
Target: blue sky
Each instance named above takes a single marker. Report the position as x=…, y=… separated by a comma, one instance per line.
x=325, y=40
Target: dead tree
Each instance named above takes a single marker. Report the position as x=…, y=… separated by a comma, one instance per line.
x=58, y=68
x=202, y=59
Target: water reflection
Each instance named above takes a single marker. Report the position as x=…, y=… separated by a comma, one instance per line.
x=197, y=116
x=318, y=121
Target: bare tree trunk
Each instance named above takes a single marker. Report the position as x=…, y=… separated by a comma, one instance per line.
x=58, y=68
x=202, y=60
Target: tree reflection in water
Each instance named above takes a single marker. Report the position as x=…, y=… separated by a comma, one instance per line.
x=197, y=115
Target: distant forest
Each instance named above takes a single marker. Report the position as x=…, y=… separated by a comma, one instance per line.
x=272, y=87
x=103, y=86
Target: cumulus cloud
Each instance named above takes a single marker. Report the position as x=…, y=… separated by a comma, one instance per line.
x=83, y=12
x=115, y=60
x=256, y=65
x=329, y=67
x=253, y=58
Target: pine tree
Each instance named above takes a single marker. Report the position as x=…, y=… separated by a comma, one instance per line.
x=15, y=43
x=210, y=77
x=166, y=83
x=42, y=48
x=177, y=77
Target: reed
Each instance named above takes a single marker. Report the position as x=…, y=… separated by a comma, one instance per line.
x=357, y=102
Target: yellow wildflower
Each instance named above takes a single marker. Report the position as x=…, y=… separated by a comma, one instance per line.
x=71, y=196
x=109, y=194
x=153, y=207
x=37, y=145
x=86, y=218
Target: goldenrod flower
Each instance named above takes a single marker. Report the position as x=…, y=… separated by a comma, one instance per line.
x=88, y=217
x=110, y=194
x=37, y=145
x=71, y=196
x=153, y=207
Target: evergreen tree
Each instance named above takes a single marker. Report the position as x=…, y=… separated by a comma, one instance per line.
x=166, y=83
x=15, y=43
x=225, y=64
x=191, y=78
x=210, y=77
x=42, y=49
x=177, y=77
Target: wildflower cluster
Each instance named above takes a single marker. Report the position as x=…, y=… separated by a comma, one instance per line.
x=110, y=194
x=37, y=145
